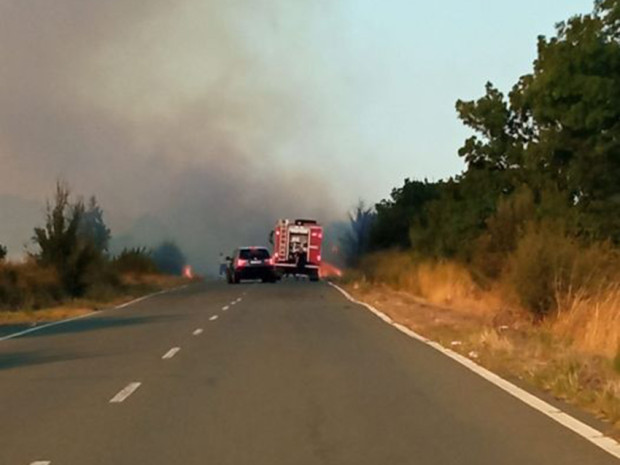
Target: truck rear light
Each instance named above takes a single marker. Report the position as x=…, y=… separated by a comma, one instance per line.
x=318, y=258
x=241, y=263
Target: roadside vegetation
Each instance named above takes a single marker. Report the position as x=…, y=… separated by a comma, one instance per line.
x=525, y=243
x=71, y=270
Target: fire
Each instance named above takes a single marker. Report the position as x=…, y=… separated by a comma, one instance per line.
x=327, y=270
x=188, y=272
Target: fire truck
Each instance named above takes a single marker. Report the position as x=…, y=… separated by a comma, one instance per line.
x=297, y=247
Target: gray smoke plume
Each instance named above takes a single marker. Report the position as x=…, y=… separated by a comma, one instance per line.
x=187, y=119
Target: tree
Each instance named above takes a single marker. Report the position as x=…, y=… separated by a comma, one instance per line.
x=93, y=228
x=355, y=241
x=395, y=216
x=560, y=123
x=169, y=259
x=61, y=245
x=3, y=252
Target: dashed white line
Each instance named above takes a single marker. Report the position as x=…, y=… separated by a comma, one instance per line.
x=197, y=332
x=41, y=462
x=213, y=318
x=226, y=307
x=125, y=393
x=234, y=302
x=239, y=300
x=171, y=353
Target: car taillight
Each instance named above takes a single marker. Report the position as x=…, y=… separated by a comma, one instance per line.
x=241, y=263
x=271, y=261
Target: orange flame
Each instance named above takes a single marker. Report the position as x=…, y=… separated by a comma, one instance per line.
x=327, y=270
x=188, y=272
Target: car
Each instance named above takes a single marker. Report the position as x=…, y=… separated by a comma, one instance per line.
x=250, y=263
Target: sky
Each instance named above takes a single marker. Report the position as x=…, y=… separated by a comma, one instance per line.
x=204, y=121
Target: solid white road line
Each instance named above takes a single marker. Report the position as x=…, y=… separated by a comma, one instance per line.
x=225, y=307
x=124, y=393
x=213, y=318
x=597, y=438
x=171, y=353
x=48, y=325
x=197, y=332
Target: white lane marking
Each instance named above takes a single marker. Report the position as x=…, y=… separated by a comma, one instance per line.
x=197, y=332
x=234, y=302
x=213, y=318
x=125, y=392
x=239, y=300
x=225, y=307
x=140, y=299
x=41, y=462
x=86, y=315
x=597, y=438
x=171, y=353
x=48, y=325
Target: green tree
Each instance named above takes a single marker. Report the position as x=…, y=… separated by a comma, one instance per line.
x=396, y=215
x=3, y=252
x=561, y=123
x=92, y=226
x=60, y=244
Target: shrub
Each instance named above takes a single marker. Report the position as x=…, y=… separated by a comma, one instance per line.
x=169, y=259
x=135, y=260
x=29, y=286
x=61, y=245
x=548, y=264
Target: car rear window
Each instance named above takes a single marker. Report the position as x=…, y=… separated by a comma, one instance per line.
x=254, y=254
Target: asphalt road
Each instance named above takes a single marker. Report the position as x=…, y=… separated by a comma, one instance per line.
x=291, y=374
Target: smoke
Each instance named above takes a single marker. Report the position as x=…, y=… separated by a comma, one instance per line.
x=189, y=120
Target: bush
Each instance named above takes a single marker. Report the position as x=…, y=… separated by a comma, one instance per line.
x=135, y=260
x=548, y=264
x=29, y=286
x=169, y=259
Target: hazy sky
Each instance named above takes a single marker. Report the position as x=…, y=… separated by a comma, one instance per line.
x=206, y=120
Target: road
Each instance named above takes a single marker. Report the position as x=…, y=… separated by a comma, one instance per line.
x=258, y=374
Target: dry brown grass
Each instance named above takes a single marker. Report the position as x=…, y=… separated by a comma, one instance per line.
x=134, y=285
x=43, y=316
x=591, y=322
x=443, y=283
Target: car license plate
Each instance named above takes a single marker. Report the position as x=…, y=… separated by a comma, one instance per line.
x=256, y=262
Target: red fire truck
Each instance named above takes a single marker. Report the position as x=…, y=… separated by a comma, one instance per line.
x=297, y=247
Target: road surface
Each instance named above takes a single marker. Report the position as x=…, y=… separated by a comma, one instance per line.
x=258, y=374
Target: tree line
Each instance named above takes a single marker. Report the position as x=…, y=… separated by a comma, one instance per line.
x=542, y=180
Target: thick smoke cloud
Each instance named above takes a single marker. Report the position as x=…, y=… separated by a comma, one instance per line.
x=184, y=118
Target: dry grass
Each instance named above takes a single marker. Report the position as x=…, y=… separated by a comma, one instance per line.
x=43, y=316
x=443, y=283
x=135, y=286
x=591, y=322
